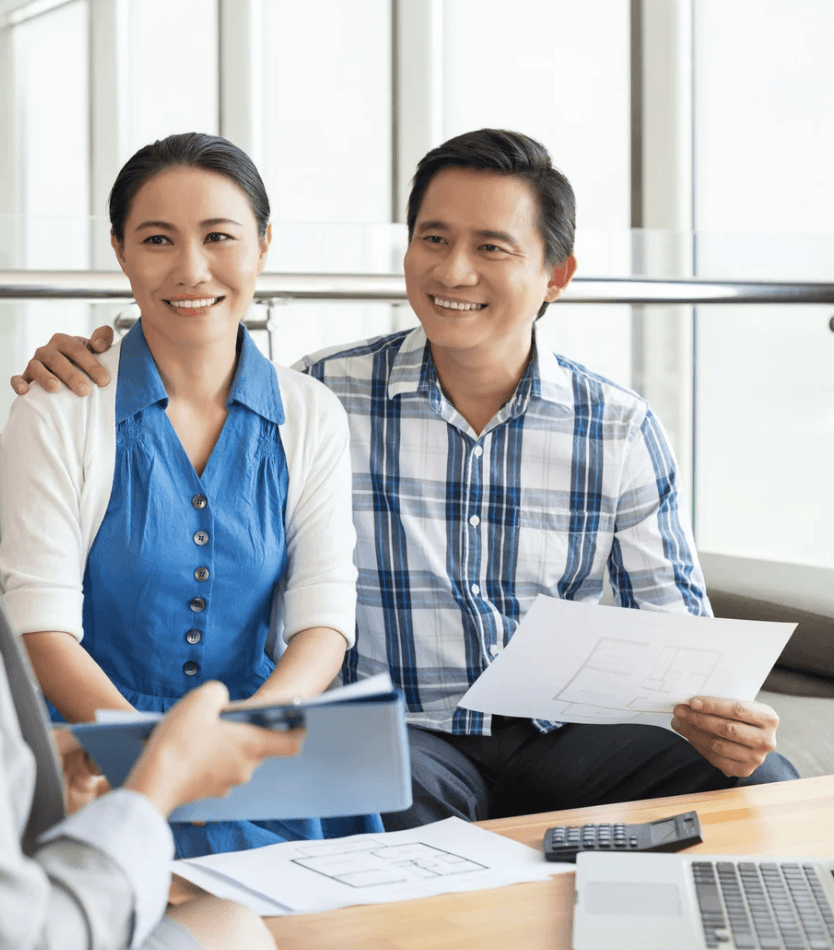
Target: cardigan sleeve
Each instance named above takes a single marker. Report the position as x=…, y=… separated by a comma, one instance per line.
x=57, y=457
x=319, y=587
x=42, y=553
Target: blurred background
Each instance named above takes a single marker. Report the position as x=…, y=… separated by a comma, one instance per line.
x=696, y=134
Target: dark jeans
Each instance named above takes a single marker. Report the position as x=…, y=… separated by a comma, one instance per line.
x=519, y=770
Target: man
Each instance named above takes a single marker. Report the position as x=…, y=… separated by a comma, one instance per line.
x=487, y=471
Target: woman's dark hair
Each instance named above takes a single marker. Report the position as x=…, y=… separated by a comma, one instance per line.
x=190, y=149
x=507, y=153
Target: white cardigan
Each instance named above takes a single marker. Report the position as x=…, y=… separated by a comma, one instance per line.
x=56, y=474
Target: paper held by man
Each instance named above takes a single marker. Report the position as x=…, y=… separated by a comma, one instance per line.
x=576, y=662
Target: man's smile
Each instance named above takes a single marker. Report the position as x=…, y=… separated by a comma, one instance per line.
x=449, y=304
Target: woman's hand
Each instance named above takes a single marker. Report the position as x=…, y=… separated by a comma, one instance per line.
x=83, y=781
x=193, y=754
x=67, y=359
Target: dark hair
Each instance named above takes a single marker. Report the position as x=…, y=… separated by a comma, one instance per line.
x=190, y=149
x=507, y=153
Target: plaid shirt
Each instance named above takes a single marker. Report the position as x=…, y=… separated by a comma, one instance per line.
x=457, y=533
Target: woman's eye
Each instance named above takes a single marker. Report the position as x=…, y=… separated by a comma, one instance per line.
x=157, y=240
x=217, y=237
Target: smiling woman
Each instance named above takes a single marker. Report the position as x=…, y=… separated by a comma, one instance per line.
x=168, y=530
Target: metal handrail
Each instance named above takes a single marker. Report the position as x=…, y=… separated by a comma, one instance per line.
x=390, y=288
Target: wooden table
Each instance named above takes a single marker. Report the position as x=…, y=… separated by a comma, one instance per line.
x=790, y=818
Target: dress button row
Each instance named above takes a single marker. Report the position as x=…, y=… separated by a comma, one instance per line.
x=201, y=574
x=193, y=636
x=190, y=668
x=201, y=537
x=199, y=502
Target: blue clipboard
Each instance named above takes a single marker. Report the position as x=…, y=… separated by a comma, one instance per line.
x=354, y=761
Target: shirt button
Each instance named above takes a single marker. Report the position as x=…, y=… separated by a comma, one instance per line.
x=201, y=574
x=197, y=604
x=477, y=451
x=190, y=668
x=201, y=537
x=194, y=636
x=494, y=649
x=475, y=589
x=199, y=502
x=474, y=521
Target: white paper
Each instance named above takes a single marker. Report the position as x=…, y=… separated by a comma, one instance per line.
x=362, y=689
x=308, y=876
x=575, y=662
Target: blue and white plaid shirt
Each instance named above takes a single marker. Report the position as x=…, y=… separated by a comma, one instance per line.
x=458, y=532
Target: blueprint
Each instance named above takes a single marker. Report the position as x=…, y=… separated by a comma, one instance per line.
x=575, y=662
x=307, y=876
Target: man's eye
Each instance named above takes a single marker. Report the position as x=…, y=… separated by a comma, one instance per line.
x=217, y=237
x=434, y=239
x=157, y=239
x=491, y=247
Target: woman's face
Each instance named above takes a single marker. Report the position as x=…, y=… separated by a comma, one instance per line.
x=192, y=253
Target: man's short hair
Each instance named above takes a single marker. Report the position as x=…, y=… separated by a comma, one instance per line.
x=506, y=153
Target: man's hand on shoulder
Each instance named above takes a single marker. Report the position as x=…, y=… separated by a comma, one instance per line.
x=67, y=359
x=734, y=736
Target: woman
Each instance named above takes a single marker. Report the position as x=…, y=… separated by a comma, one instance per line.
x=170, y=530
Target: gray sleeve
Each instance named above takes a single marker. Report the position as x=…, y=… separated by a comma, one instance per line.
x=97, y=881
x=113, y=859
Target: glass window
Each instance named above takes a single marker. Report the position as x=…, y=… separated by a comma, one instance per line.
x=559, y=72
x=173, y=69
x=765, y=388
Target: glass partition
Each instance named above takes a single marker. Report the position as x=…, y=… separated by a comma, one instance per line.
x=756, y=379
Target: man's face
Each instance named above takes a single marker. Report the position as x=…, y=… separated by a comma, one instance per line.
x=475, y=269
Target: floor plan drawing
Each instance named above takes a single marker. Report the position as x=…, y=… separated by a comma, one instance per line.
x=370, y=863
x=653, y=680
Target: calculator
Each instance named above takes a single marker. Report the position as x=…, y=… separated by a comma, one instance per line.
x=563, y=842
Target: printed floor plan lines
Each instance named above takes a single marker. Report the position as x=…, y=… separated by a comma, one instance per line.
x=374, y=863
x=616, y=666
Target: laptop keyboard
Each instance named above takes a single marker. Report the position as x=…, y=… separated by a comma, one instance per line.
x=758, y=905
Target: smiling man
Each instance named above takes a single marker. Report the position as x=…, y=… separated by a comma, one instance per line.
x=487, y=470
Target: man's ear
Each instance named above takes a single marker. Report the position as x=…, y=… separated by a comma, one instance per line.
x=119, y=249
x=266, y=240
x=560, y=277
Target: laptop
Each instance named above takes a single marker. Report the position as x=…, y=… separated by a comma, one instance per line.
x=692, y=901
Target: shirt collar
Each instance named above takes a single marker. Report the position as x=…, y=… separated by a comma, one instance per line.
x=139, y=384
x=255, y=384
x=413, y=369
x=413, y=372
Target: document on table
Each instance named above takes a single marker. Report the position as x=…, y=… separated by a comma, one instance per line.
x=575, y=662
x=307, y=876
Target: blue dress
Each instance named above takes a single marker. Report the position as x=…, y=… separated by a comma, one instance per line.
x=180, y=578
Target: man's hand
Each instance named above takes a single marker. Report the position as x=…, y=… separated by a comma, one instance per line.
x=733, y=736
x=83, y=782
x=67, y=359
